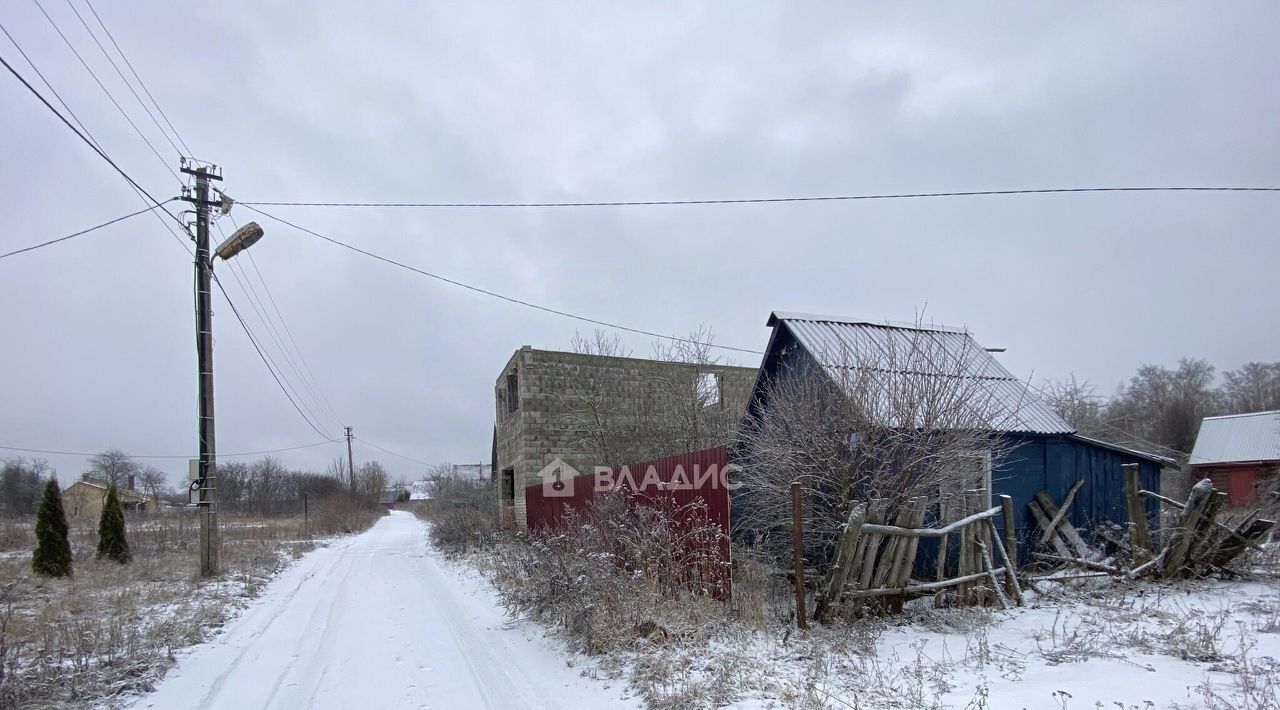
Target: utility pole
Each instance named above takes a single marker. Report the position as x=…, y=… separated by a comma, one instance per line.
x=208, y=474
x=351, y=464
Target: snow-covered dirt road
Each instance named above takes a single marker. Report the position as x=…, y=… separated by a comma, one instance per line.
x=378, y=621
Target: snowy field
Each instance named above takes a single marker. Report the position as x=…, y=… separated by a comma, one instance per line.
x=381, y=620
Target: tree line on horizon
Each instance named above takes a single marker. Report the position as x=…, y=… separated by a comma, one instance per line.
x=264, y=486
x=1159, y=409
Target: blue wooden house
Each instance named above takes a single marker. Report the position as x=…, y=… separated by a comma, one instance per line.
x=1044, y=451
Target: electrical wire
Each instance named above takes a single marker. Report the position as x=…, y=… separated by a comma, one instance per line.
x=139, y=78
x=86, y=140
x=265, y=360
x=115, y=66
x=288, y=332
x=81, y=232
x=287, y=382
x=389, y=451
x=106, y=91
x=762, y=200
x=509, y=299
x=168, y=456
x=93, y=141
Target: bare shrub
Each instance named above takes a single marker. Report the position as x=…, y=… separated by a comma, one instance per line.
x=616, y=574
x=461, y=513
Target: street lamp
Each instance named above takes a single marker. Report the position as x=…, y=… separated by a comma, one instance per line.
x=242, y=239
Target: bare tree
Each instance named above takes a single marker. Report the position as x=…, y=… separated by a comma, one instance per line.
x=1077, y=402
x=112, y=466
x=906, y=417
x=1255, y=387
x=1164, y=406
x=153, y=481
x=371, y=480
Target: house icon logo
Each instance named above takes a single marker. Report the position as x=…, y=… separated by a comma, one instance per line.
x=557, y=479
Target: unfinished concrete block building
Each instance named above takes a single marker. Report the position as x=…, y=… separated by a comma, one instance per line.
x=597, y=410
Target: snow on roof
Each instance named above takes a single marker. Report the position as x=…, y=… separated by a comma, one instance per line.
x=1013, y=407
x=1238, y=438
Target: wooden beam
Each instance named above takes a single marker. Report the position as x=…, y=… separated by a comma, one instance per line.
x=1062, y=513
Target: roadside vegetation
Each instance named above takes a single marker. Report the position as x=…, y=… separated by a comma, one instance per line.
x=133, y=597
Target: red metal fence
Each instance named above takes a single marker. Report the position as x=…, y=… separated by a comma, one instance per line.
x=695, y=485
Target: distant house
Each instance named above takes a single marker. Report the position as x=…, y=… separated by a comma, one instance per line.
x=473, y=471
x=1238, y=452
x=1045, y=453
x=85, y=498
x=548, y=406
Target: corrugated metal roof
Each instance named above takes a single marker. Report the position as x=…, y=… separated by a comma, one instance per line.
x=1009, y=404
x=1238, y=438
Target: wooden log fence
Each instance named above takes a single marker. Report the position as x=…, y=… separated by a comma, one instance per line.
x=1196, y=545
x=874, y=561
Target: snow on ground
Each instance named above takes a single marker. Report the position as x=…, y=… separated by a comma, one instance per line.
x=378, y=620
x=1147, y=647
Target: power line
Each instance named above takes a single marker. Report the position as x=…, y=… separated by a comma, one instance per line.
x=106, y=91
x=115, y=66
x=81, y=232
x=305, y=365
x=389, y=451
x=509, y=299
x=270, y=332
x=265, y=360
x=86, y=140
x=165, y=456
x=93, y=142
x=765, y=200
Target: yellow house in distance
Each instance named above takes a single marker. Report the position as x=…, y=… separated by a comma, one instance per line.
x=85, y=498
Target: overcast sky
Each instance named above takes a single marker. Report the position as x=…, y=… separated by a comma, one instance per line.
x=523, y=102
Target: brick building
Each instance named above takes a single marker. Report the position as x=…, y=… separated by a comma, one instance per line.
x=595, y=410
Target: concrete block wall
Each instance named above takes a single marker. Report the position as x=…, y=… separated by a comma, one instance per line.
x=544, y=427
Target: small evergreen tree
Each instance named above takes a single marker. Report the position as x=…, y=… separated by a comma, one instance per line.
x=111, y=540
x=52, y=556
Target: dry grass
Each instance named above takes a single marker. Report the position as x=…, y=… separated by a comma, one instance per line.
x=111, y=630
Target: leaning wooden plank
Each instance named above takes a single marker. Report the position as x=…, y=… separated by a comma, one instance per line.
x=909, y=556
x=1235, y=534
x=1139, y=539
x=984, y=556
x=940, y=562
x=842, y=567
x=1182, y=536
x=1062, y=513
x=1043, y=521
x=924, y=588
x=892, y=557
x=1010, y=526
x=1205, y=537
x=1067, y=530
x=1011, y=577
x=1230, y=548
x=872, y=547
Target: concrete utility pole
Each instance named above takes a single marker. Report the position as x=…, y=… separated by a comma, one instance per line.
x=209, y=542
x=351, y=464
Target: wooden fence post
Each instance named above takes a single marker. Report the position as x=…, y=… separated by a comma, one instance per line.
x=1010, y=528
x=1139, y=537
x=797, y=542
